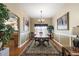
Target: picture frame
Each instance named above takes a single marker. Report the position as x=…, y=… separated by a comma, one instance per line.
x=63, y=22
x=25, y=24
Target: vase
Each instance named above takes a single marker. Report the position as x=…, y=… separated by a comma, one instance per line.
x=76, y=42
x=4, y=52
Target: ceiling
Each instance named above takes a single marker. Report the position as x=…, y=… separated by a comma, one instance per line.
x=33, y=9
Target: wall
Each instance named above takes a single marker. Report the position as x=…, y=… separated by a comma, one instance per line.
x=35, y=21
x=16, y=9
x=65, y=36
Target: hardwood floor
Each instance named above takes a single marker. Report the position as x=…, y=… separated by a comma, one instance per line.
x=15, y=52
x=18, y=51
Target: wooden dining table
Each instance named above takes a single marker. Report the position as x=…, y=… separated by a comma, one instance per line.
x=41, y=39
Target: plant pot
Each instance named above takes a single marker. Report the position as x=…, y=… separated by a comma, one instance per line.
x=50, y=36
x=4, y=52
x=76, y=42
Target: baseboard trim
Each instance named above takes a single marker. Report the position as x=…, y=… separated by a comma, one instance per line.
x=57, y=45
x=24, y=47
x=23, y=44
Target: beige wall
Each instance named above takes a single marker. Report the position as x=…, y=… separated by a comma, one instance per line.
x=35, y=21
x=73, y=10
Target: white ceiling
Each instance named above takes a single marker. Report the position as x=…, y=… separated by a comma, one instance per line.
x=48, y=9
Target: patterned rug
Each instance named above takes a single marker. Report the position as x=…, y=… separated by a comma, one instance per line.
x=34, y=50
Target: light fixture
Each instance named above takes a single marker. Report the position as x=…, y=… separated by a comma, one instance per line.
x=41, y=18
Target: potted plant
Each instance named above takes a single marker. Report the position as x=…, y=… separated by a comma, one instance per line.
x=5, y=30
x=50, y=28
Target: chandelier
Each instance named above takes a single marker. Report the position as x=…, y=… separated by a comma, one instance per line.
x=41, y=17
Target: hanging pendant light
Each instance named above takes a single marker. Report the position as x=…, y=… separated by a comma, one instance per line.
x=41, y=19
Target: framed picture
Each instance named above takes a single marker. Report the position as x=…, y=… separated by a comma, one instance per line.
x=25, y=24
x=63, y=22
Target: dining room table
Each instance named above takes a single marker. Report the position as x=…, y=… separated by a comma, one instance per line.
x=41, y=39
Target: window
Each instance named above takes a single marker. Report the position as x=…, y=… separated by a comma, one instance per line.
x=41, y=28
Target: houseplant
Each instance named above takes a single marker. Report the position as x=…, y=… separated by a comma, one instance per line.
x=50, y=29
x=5, y=30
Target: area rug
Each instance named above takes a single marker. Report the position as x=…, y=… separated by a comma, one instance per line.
x=34, y=50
